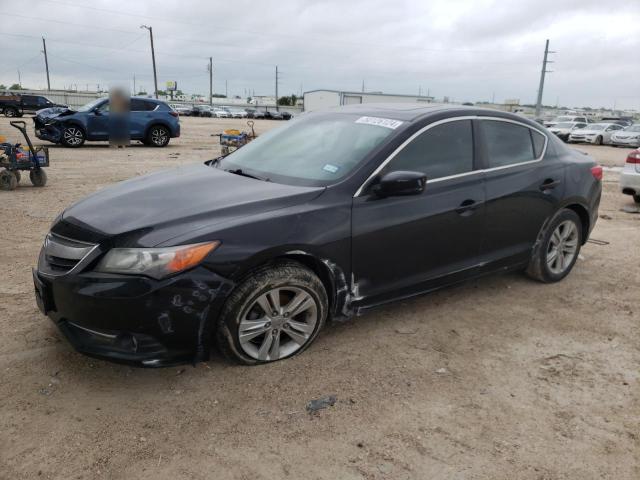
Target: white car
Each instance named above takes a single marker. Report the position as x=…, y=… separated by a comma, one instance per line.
x=238, y=113
x=562, y=130
x=220, y=113
x=630, y=176
x=565, y=118
x=629, y=137
x=598, y=133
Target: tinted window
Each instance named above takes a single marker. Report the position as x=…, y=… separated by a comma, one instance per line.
x=538, y=141
x=508, y=143
x=441, y=151
x=138, y=105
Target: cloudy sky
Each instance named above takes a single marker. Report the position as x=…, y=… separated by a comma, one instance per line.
x=467, y=50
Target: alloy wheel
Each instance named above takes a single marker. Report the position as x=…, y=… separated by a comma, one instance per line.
x=73, y=136
x=159, y=136
x=278, y=323
x=562, y=248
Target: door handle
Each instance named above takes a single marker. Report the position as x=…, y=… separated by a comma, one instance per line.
x=467, y=207
x=549, y=184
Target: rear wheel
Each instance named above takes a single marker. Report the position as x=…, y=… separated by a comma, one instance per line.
x=636, y=198
x=11, y=112
x=73, y=137
x=274, y=314
x=38, y=177
x=557, y=248
x=158, y=136
x=8, y=180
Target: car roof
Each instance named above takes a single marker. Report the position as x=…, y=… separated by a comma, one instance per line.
x=411, y=112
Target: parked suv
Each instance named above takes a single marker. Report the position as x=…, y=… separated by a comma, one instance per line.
x=151, y=121
x=17, y=105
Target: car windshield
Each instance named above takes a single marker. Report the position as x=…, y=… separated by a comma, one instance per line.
x=565, y=125
x=633, y=128
x=91, y=105
x=598, y=126
x=312, y=150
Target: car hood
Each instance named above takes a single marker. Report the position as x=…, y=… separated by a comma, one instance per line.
x=48, y=114
x=561, y=130
x=626, y=134
x=586, y=131
x=151, y=209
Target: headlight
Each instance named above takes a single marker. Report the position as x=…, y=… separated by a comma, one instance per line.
x=155, y=262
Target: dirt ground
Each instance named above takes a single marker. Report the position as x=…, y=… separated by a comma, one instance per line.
x=500, y=378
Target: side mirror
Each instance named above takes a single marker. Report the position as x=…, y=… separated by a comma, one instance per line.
x=97, y=112
x=400, y=182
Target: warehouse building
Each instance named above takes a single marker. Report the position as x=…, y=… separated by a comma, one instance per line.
x=319, y=99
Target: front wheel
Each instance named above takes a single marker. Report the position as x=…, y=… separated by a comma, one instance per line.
x=599, y=140
x=158, y=136
x=274, y=314
x=10, y=112
x=636, y=198
x=73, y=137
x=557, y=248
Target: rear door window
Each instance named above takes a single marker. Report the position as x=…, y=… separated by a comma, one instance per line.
x=510, y=144
x=441, y=151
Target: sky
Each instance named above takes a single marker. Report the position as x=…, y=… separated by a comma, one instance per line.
x=475, y=50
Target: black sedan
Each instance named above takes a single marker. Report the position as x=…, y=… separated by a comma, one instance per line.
x=327, y=216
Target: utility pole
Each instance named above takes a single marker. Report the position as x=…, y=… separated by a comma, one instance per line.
x=134, y=84
x=363, y=86
x=542, y=75
x=210, y=81
x=153, y=59
x=19, y=79
x=46, y=62
x=419, y=90
x=277, y=78
x=226, y=88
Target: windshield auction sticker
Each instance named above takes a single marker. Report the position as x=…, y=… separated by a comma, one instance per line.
x=380, y=122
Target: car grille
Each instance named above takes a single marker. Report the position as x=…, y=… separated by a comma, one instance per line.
x=61, y=254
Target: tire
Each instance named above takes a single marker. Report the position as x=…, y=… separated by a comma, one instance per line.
x=73, y=136
x=278, y=286
x=598, y=140
x=636, y=198
x=11, y=112
x=38, y=177
x=17, y=175
x=8, y=180
x=158, y=136
x=562, y=234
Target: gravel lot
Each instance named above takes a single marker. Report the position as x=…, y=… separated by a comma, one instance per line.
x=500, y=378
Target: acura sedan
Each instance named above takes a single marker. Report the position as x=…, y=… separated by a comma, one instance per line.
x=332, y=214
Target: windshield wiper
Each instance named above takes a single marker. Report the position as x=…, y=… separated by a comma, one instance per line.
x=239, y=171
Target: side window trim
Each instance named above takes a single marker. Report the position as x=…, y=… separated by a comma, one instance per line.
x=480, y=156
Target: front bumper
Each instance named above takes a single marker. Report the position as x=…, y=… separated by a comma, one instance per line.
x=582, y=139
x=135, y=319
x=625, y=142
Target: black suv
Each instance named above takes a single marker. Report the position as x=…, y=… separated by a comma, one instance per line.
x=18, y=105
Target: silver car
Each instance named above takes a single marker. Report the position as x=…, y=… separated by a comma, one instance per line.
x=629, y=137
x=562, y=130
x=597, y=133
x=565, y=118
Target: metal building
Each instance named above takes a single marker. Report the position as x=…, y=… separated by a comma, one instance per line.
x=319, y=99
